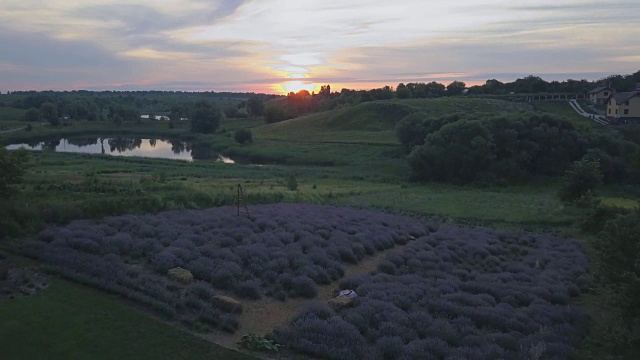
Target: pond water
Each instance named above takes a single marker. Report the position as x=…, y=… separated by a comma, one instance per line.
x=128, y=146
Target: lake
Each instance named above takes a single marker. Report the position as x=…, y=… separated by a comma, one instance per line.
x=128, y=146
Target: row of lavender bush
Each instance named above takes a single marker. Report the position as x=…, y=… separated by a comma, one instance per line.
x=282, y=251
x=458, y=293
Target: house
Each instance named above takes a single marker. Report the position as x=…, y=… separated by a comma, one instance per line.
x=624, y=106
x=600, y=95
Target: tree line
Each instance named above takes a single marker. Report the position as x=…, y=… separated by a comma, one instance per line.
x=477, y=148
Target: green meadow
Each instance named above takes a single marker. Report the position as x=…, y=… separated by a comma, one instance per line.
x=348, y=156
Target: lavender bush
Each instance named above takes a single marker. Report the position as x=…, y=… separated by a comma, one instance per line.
x=283, y=251
x=457, y=293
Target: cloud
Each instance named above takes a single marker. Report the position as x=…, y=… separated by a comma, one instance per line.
x=246, y=44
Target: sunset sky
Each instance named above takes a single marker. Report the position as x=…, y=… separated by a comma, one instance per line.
x=277, y=45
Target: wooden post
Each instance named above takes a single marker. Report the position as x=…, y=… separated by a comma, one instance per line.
x=240, y=202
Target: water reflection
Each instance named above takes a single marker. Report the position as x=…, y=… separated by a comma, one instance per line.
x=129, y=146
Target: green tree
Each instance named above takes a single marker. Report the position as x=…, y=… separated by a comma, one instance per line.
x=456, y=88
x=32, y=115
x=325, y=90
x=49, y=113
x=243, y=136
x=255, y=106
x=11, y=169
x=634, y=166
x=410, y=130
x=275, y=114
x=462, y=151
x=618, y=265
x=403, y=92
x=205, y=118
x=583, y=176
x=291, y=182
x=231, y=112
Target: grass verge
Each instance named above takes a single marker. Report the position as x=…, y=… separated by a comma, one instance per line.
x=67, y=321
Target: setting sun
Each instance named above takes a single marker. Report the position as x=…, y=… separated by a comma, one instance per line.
x=295, y=86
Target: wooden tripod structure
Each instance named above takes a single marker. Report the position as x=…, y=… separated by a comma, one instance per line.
x=240, y=202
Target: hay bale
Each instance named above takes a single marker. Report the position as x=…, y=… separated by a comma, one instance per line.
x=340, y=303
x=182, y=275
x=227, y=304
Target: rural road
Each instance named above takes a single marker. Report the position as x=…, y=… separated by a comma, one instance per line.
x=597, y=118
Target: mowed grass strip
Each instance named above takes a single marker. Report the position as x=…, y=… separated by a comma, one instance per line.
x=526, y=204
x=67, y=321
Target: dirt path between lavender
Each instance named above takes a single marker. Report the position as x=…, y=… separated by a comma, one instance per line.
x=262, y=316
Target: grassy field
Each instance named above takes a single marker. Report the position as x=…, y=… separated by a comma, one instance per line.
x=11, y=114
x=68, y=321
x=346, y=157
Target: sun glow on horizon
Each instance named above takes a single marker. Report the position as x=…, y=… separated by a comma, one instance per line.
x=295, y=86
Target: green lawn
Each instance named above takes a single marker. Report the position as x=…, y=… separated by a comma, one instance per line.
x=67, y=321
x=515, y=205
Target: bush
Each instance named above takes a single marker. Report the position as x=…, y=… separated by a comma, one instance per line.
x=583, y=177
x=619, y=259
x=275, y=114
x=291, y=182
x=303, y=286
x=249, y=289
x=243, y=136
x=446, y=296
x=205, y=118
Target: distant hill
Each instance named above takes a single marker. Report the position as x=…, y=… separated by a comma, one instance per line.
x=374, y=122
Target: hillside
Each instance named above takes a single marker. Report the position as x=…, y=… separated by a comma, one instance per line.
x=374, y=122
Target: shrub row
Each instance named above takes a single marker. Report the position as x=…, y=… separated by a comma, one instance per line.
x=282, y=251
x=458, y=293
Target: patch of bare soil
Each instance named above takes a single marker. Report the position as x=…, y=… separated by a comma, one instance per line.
x=262, y=316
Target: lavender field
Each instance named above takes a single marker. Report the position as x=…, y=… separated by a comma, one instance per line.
x=458, y=293
x=453, y=293
x=283, y=251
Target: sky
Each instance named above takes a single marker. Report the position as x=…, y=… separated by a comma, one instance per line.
x=276, y=46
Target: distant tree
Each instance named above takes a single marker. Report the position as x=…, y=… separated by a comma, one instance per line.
x=583, y=176
x=275, y=114
x=231, y=112
x=243, y=136
x=205, y=118
x=325, y=90
x=383, y=93
x=176, y=113
x=493, y=86
x=530, y=84
x=36, y=100
x=365, y=96
x=456, y=88
x=410, y=130
x=49, y=113
x=462, y=151
x=403, y=92
x=32, y=115
x=255, y=106
x=101, y=104
x=11, y=169
x=120, y=113
x=422, y=90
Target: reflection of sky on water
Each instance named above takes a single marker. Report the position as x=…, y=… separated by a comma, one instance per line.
x=162, y=149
